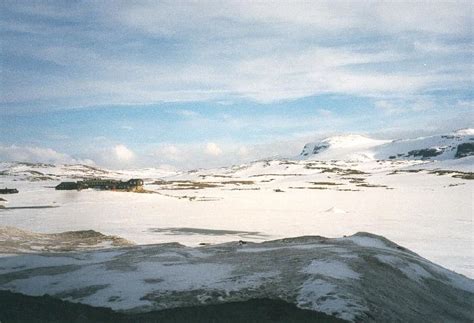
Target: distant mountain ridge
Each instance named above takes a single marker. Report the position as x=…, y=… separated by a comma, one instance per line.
x=37, y=172
x=453, y=145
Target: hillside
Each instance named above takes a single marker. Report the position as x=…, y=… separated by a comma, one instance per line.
x=454, y=145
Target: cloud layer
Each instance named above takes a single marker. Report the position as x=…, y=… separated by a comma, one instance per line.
x=145, y=52
x=37, y=155
x=225, y=82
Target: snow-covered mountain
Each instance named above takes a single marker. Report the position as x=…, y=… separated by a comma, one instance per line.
x=38, y=172
x=454, y=145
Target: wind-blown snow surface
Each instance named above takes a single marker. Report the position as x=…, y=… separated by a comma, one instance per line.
x=14, y=240
x=363, y=277
x=424, y=205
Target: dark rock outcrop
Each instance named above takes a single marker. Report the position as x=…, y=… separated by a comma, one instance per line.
x=464, y=150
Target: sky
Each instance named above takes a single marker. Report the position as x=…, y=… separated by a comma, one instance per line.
x=187, y=84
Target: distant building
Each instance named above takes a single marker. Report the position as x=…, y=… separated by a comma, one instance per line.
x=68, y=186
x=133, y=185
x=8, y=190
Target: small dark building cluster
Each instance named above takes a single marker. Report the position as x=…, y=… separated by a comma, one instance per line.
x=132, y=185
x=8, y=190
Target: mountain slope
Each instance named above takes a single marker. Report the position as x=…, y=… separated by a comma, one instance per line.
x=454, y=145
x=354, y=147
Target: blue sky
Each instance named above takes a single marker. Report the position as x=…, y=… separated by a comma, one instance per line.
x=196, y=84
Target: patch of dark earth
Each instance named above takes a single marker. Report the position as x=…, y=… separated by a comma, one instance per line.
x=200, y=231
x=16, y=308
x=31, y=207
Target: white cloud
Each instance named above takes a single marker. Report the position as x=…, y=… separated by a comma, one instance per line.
x=264, y=51
x=396, y=106
x=106, y=153
x=37, y=155
x=389, y=107
x=166, y=19
x=186, y=113
x=213, y=149
x=170, y=153
x=123, y=154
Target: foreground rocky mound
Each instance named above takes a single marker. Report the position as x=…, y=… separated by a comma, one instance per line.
x=16, y=307
x=14, y=240
x=358, y=278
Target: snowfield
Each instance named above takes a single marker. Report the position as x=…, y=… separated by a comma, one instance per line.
x=175, y=244
x=408, y=201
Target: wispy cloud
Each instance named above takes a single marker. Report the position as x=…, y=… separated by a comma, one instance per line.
x=262, y=51
x=227, y=82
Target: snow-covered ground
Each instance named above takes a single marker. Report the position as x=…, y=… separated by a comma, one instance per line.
x=342, y=277
x=417, y=193
x=361, y=148
x=430, y=213
x=420, y=202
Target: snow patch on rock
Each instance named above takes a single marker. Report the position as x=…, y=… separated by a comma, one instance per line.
x=320, y=295
x=334, y=269
x=411, y=270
